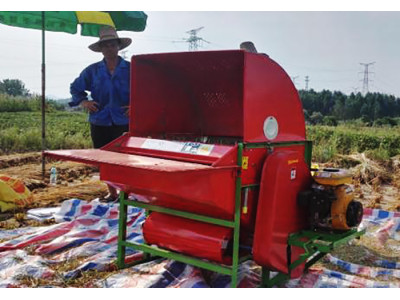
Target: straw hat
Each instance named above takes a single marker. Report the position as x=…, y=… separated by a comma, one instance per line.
x=109, y=34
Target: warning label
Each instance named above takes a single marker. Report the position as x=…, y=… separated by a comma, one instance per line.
x=183, y=147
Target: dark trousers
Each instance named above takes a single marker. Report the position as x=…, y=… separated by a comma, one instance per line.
x=102, y=135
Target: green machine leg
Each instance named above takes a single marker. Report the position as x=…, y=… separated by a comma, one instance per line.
x=315, y=245
x=236, y=229
x=265, y=275
x=268, y=282
x=308, y=153
x=121, y=231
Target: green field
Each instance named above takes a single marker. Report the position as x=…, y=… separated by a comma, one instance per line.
x=22, y=131
x=380, y=143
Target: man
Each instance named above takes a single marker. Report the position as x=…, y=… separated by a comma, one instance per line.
x=108, y=83
x=248, y=46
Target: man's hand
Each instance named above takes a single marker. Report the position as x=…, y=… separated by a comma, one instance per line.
x=126, y=110
x=91, y=106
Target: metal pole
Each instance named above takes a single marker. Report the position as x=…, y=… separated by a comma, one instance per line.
x=308, y=153
x=43, y=95
x=236, y=230
x=123, y=208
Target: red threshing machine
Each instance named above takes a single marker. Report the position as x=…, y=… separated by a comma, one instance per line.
x=217, y=153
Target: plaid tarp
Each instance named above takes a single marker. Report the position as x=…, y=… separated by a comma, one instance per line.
x=89, y=230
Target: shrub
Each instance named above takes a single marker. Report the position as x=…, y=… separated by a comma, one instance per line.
x=329, y=121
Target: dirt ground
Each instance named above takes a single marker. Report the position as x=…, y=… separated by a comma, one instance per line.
x=74, y=180
x=376, y=184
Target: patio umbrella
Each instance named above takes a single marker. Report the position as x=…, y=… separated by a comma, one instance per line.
x=67, y=21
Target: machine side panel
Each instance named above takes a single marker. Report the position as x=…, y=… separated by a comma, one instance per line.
x=269, y=92
x=189, y=237
x=156, y=97
x=284, y=175
x=207, y=191
x=252, y=166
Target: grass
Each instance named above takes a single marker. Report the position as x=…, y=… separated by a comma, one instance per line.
x=13, y=104
x=22, y=131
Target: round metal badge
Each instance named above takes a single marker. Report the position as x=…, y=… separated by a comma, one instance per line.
x=271, y=128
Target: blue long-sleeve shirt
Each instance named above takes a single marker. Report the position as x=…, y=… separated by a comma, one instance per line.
x=111, y=92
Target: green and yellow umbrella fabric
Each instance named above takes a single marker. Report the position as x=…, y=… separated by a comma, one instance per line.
x=67, y=21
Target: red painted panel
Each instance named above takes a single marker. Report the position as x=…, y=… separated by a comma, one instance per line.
x=209, y=191
x=174, y=184
x=189, y=237
x=177, y=150
x=249, y=209
x=99, y=157
x=268, y=91
x=255, y=161
x=285, y=174
x=197, y=93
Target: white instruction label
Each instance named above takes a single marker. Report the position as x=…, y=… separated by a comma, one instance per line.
x=183, y=147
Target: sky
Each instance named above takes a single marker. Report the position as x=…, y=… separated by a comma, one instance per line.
x=327, y=46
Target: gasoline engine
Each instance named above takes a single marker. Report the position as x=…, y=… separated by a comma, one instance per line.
x=330, y=201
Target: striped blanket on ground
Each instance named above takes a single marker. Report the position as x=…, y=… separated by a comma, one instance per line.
x=88, y=231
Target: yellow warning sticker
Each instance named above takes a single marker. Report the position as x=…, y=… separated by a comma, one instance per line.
x=245, y=162
x=293, y=161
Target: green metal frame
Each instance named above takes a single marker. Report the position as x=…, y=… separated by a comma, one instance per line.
x=232, y=270
x=315, y=245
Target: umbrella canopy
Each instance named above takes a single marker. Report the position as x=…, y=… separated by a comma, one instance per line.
x=67, y=21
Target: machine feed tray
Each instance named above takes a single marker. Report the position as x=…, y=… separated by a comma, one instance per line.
x=187, y=186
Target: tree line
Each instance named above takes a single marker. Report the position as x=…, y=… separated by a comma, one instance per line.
x=327, y=107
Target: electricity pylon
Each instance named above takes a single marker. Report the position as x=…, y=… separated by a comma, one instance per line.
x=194, y=41
x=366, y=79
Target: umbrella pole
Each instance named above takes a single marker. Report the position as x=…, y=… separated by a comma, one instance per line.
x=43, y=95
